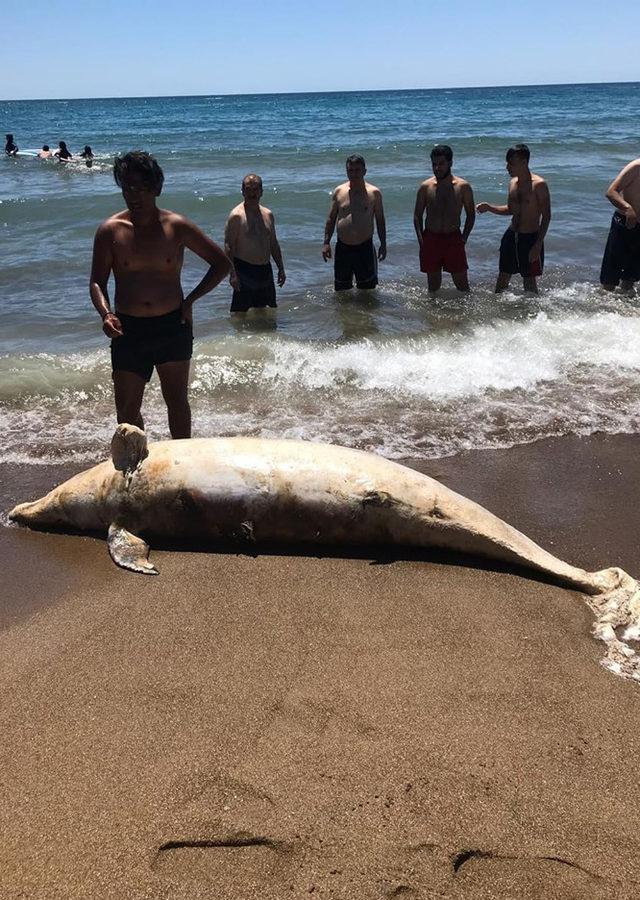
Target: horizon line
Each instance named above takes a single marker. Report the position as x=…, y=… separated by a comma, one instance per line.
x=477, y=87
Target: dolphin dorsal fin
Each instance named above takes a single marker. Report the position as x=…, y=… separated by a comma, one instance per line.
x=128, y=449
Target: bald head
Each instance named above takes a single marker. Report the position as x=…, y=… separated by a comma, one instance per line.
x=252, y=185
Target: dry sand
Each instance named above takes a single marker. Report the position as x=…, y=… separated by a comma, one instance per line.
x=291, y=726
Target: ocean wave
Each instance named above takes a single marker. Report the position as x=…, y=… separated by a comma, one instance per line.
x=472, y=384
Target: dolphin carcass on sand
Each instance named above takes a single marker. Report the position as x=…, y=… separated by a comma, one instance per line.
x=295, y=491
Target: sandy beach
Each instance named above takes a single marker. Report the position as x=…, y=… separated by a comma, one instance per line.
x=278, y=726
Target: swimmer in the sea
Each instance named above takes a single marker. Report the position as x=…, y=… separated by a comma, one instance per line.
x=45, y=153
x=87, y=155
x=11, y=148
x=63, y=152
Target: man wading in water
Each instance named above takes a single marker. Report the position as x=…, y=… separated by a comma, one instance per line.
x=354, y=205
x=250, y=241
x=436, y=219
x=529, y=204
x=621, y=262
x=152, y=323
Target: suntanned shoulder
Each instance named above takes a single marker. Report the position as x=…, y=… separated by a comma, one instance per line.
x=109, y=225
x=237, y=212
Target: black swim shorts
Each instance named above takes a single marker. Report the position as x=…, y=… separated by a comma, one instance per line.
x=355, y=259
x=514, y=254
x=257, y=288
x=621, y=261
x=149, y=341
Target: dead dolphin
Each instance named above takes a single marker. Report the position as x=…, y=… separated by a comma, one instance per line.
x=296, y=491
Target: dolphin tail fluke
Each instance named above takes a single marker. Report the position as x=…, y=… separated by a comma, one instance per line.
x=129, y=551
x=616, y=604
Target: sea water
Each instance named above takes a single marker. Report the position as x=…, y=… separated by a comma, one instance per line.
x=394, y=371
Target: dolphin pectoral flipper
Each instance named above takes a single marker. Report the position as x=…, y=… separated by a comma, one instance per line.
x=129, y=551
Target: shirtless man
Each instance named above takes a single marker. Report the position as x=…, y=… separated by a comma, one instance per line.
x=355, y=205
x=621, y=262
x=442, y=245
x=152, y=324
x=45, y=153
x=529, y=205
x=250, y=241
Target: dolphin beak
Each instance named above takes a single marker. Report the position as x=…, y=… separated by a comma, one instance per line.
x=26, y=513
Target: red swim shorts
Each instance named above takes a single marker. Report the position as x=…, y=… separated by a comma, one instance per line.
x=443, y=251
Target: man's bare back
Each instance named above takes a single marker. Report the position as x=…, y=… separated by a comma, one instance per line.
x=356, y=211
x=252, y=233
x=442, y=201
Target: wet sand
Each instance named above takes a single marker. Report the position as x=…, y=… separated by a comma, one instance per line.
x=286, y=726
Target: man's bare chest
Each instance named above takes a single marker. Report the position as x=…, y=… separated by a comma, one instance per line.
x=356, y=207
x=254, y=228
x=154, y=251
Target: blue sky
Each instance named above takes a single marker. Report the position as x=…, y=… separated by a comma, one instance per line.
x=54, y=49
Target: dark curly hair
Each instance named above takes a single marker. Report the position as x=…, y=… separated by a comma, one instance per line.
x=141, y=165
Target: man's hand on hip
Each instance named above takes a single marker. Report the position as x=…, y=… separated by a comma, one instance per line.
x=112, y=326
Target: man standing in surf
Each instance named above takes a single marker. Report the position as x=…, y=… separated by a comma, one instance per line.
x=355, y=206
x=152, y=324
x=529, y=205
x=621, y=261
x=250, y=241
x=436, y=219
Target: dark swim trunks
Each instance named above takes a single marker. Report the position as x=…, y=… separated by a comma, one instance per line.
x=443, y=251
x=149, y=341
x=514, y=254
x=621, y=261
x=257, y=288
x=355, y=259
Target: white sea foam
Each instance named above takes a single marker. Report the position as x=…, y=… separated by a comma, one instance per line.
x=479, y=384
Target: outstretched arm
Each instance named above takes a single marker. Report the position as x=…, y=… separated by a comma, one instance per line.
x=101, y=265
x=381, y=225
x=329, y=226
x=219, y=266
x=496, y=210
x=276, y=252
x=614, y=195
x=470, y=211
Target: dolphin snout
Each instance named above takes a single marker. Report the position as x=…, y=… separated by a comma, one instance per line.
x=20, y=513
